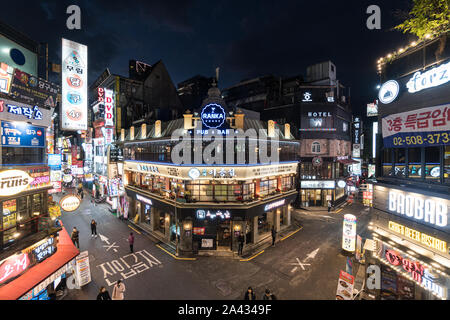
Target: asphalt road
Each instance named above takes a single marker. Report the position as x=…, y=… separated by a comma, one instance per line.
x=305, y=265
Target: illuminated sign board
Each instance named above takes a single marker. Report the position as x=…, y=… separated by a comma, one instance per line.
x=74, y=97
x=319, y=114
x=418, y=236
x=349, y=233
x=317, y=184
x=274, y=205
x=21, y=134
x=431, y=78
x=6, y=74
x=213, y=116
x=428, y=210
x=109, y=108
x=13, y=267
x=13, y=182
x=341, y=184
x=143, y=199
x=212, y=214
x=70, y=203
x=54, y=160
x=388, y=91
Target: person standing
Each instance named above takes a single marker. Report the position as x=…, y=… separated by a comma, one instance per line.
x=131, y=241
x=118, y=291
x=329, y=206
x=103, y=294
x=249, y=294
x=241, y=244
x=75, y=237
x=274, y=235
x=269, y=295
x=93, y=228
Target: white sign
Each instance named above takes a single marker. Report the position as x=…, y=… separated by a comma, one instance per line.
x=274, y=205
x=316, y=184
x=207, y=243
x=13, y=182
x=70, y=203
x=418, y=207
x=319, y=114
x=109, y=107
x=15, y=111
x=143, y=199
x=372, y=109
x=307, y=97
x=431, y=78
x=356, y=152
x=349, y=233
x=388, y=91
x=341, y=184
x=74, y=86
x=83, y=270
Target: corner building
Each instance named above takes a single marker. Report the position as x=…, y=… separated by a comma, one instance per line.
x=203, y=208
x=411, y=201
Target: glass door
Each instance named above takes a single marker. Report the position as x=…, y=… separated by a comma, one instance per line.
x=224, y=235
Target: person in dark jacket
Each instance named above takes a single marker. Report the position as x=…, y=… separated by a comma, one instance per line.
x=274, y=235
x=75, y=237
x=103, y=294
x=249, y=294
x=269, y=295
x=241, y=244
x=93, y=228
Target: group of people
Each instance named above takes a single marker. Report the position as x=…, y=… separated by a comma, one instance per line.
x=250, y=295
x=117, y=294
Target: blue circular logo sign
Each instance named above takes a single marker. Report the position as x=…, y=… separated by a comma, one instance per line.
x=213, y=115
x=17, y=56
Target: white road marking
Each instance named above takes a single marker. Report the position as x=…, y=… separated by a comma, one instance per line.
x=112, y=246
x=312, y=255
x=299, y=263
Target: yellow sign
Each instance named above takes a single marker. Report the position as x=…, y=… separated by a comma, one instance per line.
x=423, y=238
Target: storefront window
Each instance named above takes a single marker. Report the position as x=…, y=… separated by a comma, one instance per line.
x=267, y=187
x=400, y=162
x=432, y=164
x=287, y=183
x=263, y=224
x=414, y=163
x=387, y=163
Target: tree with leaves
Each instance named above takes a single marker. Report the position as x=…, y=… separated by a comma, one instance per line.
x=426, y=18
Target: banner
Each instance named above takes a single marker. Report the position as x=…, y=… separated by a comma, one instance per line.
x=74, y=86
x=20, y=134
x=33, y=90
x=419, y=128
x=6, y=74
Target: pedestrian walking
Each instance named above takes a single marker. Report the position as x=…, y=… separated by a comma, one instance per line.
x=269, y=295
x=249, y=294
x=118, y=290
x=274, y=235
x=93, y=228
x=329, y=206
x=103, y=294
x=131, y=241
x=241, y=244
x=75, y=237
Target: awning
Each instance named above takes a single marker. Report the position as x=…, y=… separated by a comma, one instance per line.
x=347, y=161
x=17, y=288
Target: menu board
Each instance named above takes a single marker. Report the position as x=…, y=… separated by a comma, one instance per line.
x=83, y=270
x=345, y=286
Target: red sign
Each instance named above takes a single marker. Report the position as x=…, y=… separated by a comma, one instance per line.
x=13, y=267
x=414, y=268
x=199, y=231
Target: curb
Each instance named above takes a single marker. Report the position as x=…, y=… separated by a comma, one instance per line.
x=173, y=256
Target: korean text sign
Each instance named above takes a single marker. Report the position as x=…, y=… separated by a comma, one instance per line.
x=419, y=128
x=74, y=86
x=19, y=134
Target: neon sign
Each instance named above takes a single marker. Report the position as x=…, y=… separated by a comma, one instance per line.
x=13, y=267
x=432, y=78
x=203, y=214
x=274, y=205
x=30, y=113
x=388, y=91
x=213, y=116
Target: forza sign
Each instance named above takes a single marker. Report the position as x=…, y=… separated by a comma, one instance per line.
x=432, y=78
x=13, y=182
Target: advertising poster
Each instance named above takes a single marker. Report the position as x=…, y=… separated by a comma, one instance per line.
x=349, y=233
x=345, y=286
x=54, y=161
x=6, y=74
x=74, y=86
x=15, y=134
x=33, y=90
x=372, y=109
x=419, y=128
x=83, y=271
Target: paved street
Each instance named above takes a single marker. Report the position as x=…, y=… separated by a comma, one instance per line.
x=303, y=266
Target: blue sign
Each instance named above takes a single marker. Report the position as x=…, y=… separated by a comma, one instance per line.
x=34, y=112
x=54, y=160
x=213, y=115
x=20, y=134
x=417, y=139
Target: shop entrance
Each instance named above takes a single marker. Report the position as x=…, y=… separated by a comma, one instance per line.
x=316, y=197
x=224, y=235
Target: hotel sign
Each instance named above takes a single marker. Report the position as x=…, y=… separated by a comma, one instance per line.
x=418, y=236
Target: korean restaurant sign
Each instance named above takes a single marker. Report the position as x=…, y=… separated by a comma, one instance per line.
x=16, y=111
x=14, y=266
x=21, y=134
x=13, y=182
x=419, y=128
x=74, y=86
x=207, y=172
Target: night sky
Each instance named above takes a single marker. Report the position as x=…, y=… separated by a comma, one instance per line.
x=244, y=38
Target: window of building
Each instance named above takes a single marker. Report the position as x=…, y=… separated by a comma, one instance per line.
x=315, y=147
x=447, y=164
x=432, y=164
x=414, y=163
x=14, y=155
x=400, y=162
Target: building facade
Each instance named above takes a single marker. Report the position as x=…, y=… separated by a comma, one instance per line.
x=411, y=195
